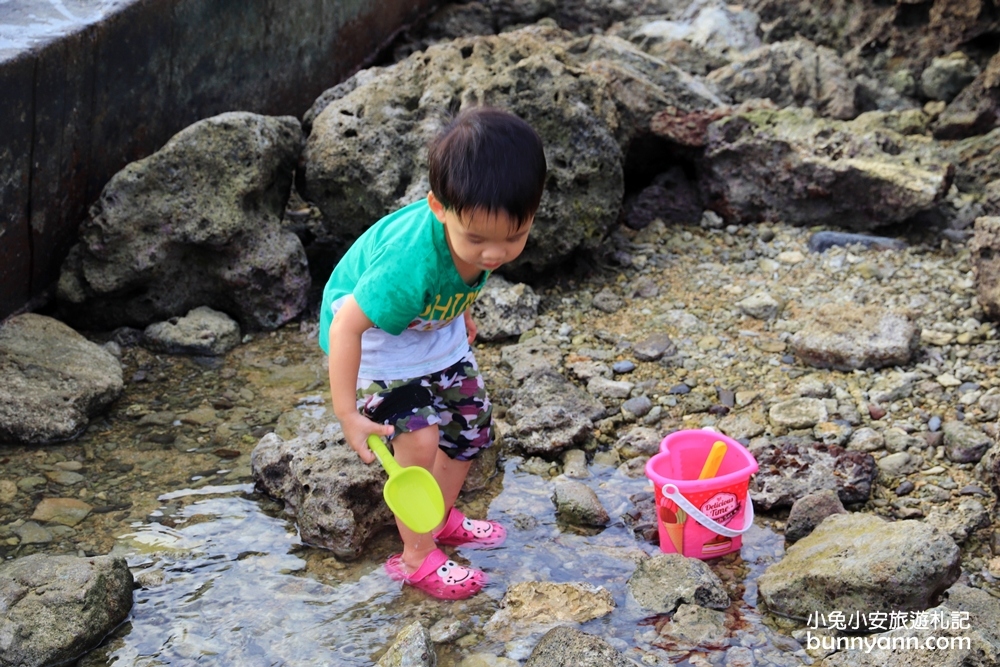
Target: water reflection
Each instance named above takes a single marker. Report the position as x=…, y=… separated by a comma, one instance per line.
x=232, y=583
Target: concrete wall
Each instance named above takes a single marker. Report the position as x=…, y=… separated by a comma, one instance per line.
x=83, y=100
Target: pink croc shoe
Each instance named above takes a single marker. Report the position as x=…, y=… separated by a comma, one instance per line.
x=438, y=576
x=459, y=530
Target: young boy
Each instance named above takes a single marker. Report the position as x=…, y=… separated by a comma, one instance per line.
x=395, y=315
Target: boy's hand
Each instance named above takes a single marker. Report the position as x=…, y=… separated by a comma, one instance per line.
x=357, y=428
x=470, y=326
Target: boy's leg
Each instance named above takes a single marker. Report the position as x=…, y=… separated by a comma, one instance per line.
x=450, y=475
x=418, y=448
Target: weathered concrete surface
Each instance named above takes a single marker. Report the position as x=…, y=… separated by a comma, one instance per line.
x=92, y=85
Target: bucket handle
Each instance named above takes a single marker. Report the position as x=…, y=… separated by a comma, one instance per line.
x=672, y=492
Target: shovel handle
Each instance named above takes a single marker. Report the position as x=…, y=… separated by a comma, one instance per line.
x=381, y=452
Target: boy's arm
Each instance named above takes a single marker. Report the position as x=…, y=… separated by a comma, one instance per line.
x=345, y=359
x=470, y=325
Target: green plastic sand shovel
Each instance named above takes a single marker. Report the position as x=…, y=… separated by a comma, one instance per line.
x=411, y=493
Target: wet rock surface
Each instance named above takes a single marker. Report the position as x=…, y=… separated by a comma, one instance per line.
x=664, y=582
x=52, y=380
x=862, y=563
x=58, y=607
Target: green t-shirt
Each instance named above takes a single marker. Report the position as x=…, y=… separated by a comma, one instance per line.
x=402, y=275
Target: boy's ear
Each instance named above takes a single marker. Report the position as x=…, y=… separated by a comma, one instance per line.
x=437, y=208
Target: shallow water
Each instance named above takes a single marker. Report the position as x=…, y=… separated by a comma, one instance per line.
x=239, y=587
x=226, y=579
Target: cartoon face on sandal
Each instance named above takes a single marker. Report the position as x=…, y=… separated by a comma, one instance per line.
x=453, y=574
x=478, y=529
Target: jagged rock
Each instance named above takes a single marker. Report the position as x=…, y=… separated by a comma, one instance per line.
x=960, y=522
x=719, y=31
x=976, y=109
x=412, y=648
x=203, y=331
x=639, y=441
x=847, y=337
x=640, y=85
x=946, y=76
x=52, y=380
x=862, y=563
x=789, y=165
x=55, y=608
x=653, y=347
x=551, y=414
x=798, y=413
x=663, y=582
x=504, y=309
x=692, y=626
x=760, y=306
x=366, y=155
x=532, y=357
x=335, y=498
x=792, y=467
x=198, y=223
x=796, y=72
x=568, y=646
x=809, y=511
x=985, y=252
x=533, y=605
x=970, y=643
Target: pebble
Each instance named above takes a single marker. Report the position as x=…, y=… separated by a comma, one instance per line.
x=934, y=423
x=905, y=488
x=621, y=367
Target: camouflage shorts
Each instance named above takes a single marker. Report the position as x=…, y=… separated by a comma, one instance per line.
x=460, y=408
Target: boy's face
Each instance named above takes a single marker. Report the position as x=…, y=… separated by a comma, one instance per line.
x=480, y=241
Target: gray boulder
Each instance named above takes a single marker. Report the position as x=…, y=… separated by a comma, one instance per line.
x=550, y=414
x=565, y=646
x=641, y=85
x=792, y=73
x=789, y=165
x=504, y=310
x=985, y=255
x=335, y=498
x=846, y=337
x=862, y=563
x=946, y=76
x=55, y=608
x=579, y=505
x=793, y=467
x=52, y=380
x=367, y=153
x=976, y=109
x=197, y=223
x=203, y=331
x=663, y=582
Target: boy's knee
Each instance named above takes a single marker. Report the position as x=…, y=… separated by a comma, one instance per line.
x=424, y=440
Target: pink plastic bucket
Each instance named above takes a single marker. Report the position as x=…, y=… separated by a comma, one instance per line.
x=701, y=518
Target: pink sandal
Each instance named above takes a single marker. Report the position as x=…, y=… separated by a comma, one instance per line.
x=438, y=576
x=459, y=530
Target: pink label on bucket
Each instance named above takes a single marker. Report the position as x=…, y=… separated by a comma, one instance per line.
x=721, y=507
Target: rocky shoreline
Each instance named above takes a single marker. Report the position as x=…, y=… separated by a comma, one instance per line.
x=706, y=162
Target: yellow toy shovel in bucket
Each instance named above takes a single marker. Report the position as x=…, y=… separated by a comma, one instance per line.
x=411, y=493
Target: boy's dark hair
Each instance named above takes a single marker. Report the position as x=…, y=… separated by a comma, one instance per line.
x=488, y=159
